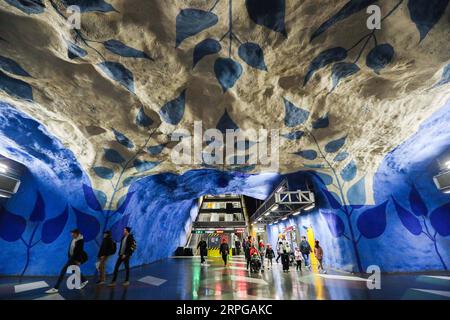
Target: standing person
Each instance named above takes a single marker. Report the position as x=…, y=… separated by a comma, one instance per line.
x=76, y=256
x=203, y=250
x=269, y=255
x=298, y=258
x=262, y=253
x=127, y=247
x=305, y=248
x=224, y=251
x=279, y=250
x=107, y=249
x=286, y=251
x=248, y=246
x=318, y=253
x=237, y=244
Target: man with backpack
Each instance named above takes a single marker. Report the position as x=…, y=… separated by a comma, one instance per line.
x=107, y=249
x=203, y=246
x=127, y=247
x=305, y=248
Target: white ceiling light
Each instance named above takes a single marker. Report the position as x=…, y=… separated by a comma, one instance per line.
x=447, y=164
x=284, y=218
x=274, y=208
x=296, y=214
x=267, y=213
x=309, y=207
x=3, y=168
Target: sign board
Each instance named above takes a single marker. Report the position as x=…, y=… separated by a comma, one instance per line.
x=289, y=229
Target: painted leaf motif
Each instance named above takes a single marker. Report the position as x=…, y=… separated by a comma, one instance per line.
x=225, y=122
x=341, y=156
x=38, y=213
x=227, y=72
x=324, y=178
x=440, y=220
x=142, y=119
x=128, y=181
x=101, y=197
x=143, y=166
x=418, y=206
x=356, y=194
x=28, y=6
x=13, y=67
x=189, y=22
x=294, y=135
x=347, y=10
x=379, y=57
x=119, y=73
x=104, y=172
x=118, y=226
x=335, y=145
x=332, y=199
x=409, y=221
x=323, y=59
x=123, y=202
x=322, y=122
x=123, y=139
x=294, y=115
x=372, y=222
x=12, y=226
x=15, y=87
x=74, y=51
x=334, y=222
x=204, y=48
x=91, y=198
x=348, y=173
x=121, y=49
x=90, y=5
x=253, y=55
x=88, y=225
x=52, y=228
x=426, y=13
x=172, y=112
x=268, y=13
x=113, y=156
x=342, y=70
x=307, y=154
x=155, y=150
x=445, y=77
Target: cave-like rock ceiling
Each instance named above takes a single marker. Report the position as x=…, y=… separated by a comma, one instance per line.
x=135, y=71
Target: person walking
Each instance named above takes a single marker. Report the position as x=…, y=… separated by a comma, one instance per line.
x=298, y=259
x=107, y=249
x=279, y=250
x=286, y=251
x=269, y=255
x=262, y=253
x=203, y=246
x=224, y=251
x=127, y=247
x=248, y=246
x=76, y=256
x=318, y=253
x=237, y=244
x=305, y=248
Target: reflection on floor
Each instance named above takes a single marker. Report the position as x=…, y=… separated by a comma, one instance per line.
x=185, y=278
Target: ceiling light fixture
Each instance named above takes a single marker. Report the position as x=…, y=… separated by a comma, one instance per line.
x=447, y=164
x=3, y=168
x=267, y=213
x=309, y=207
x=274, y=208
x=296, y=214
x=284, y=218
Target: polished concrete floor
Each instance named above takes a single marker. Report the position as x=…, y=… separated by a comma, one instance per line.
x=185, y=278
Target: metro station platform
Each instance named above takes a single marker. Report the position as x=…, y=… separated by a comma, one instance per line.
x=184, y=278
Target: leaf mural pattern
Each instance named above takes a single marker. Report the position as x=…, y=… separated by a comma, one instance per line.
x=351, y=7
x=172, y=112
x=142, y=119
x=119, y=73
x=335, y=145
x=74, y=51
x=356, y=194
x=190, y=22
x=426, y=13
x=123, y=139
x=28, y=6
x=142, y=166
x=204, y=48
x=90, y=5
x=268, y=13
x=104, y=172
x=253, y=55
x=13, y=67
x=418, y=206
x=372, y=222
x=440, y=220
x=323, y=59
x=52, y=228
x=341, y=156
x=348, y=173
x=409, y=221
x=123, y=205
x=113, y=156
x=227, y=72
x=121, y=49
x=294, y=115
x=293, y=135
x=38, y=213
x=342, y=70
x=324, y=178
x=15, y=87
x=332, y=199
x=322, y=122
x=88, y=225
x=155, y=150
x=334, y=222
x=12, y=226
x=225, y=122
x=445, y=76
x=379, y=57
x=307, y=154
x=91, y=198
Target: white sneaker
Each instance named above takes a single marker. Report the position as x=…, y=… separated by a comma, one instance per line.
x=83, y=284
x=52, y=290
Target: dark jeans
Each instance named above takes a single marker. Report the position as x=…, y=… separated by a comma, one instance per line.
x=306, y=258
x=126, y=263
x=202, y=258
x=70, y=262
x=248, y=262
x=278, y=257
x=299, y=265
x=224, y=258
x=270, y=261
x=285, y=261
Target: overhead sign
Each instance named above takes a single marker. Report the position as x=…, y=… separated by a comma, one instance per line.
x=289, y=229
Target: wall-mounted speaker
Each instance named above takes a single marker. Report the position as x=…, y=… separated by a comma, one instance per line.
x=442, y=181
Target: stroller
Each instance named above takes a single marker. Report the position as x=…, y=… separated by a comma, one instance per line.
x=255, y=263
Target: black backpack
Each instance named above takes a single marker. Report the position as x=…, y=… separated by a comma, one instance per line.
x=113, y=248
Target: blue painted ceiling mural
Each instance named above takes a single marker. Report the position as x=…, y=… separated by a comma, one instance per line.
x=89, y=112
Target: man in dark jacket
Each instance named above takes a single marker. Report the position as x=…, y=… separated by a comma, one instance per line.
x=203, y=246
x=248, y=246
x=76, y=256
x=127, y=247
x=224, y=251
x=305, y=249
x=237, y=244
x=107, y=249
